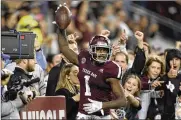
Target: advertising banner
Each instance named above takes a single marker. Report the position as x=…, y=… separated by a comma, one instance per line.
x=45, y=107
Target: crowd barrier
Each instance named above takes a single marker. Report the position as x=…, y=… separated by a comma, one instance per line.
x=45, y=107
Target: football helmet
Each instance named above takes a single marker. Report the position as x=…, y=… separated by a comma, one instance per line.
x=100, y=48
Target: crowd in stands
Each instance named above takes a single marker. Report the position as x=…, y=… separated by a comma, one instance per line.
x=149, y=80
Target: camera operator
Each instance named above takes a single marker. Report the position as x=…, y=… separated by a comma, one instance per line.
x=39, y=68
x=21, y=72
x=10, y=108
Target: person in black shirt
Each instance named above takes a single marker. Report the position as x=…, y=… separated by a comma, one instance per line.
x=53, y=79
x=55, y=71
x=68, y=86
x=172, y=83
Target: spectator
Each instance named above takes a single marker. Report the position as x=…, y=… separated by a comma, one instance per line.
x=121, y=58
x=55, y=71
x=56, y=59
x=154, y=69
x=24, y=66
x=132, y=88
x=67, y=86
x=10, y=108
x=172, y=82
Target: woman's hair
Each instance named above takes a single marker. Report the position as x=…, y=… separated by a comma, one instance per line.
x=150, y=61
x=63, y=81
x=138, y=80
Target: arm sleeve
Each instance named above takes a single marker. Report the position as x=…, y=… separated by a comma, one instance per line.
x=52, y=81
x=70, y=103
x=140, y=58
x=9, y=107
x=165, y=79
x=112, y=70
x=42, y=84
x=41, y=60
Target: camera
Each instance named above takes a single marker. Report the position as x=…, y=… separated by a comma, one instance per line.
x=18, y=45
x=16, y=85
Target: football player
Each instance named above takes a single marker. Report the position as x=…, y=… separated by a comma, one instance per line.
x=98, y=77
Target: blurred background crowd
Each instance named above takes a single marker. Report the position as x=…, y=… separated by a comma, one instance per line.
x=159, y=21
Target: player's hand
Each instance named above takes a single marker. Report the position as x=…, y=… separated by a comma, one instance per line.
x=72, y=38
x=92, y=107
x=123, y=38
x=139, y=36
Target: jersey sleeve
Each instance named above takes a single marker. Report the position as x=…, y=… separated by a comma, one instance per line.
x=83, y=57
x=112, y=70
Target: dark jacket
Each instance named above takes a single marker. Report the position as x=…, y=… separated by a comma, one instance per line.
x=71, y=105
x=19, y=74
x=15, y=83
x=53, y=79
x=138, y=64
x=169, y=97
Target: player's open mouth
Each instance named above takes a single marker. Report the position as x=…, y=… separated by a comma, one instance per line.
x=101, y=57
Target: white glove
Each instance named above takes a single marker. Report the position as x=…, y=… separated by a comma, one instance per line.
x=92, y=107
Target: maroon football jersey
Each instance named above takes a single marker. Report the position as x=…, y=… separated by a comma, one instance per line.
x=93, y=83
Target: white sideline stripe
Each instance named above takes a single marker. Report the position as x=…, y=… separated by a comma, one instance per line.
x=120, y=70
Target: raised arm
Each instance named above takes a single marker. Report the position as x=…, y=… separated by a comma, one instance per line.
x=62, y=20
x=64, y=48
x=140, y=55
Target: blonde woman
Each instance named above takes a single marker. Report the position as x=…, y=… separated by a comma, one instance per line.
x=68, y=86
x=132, y=88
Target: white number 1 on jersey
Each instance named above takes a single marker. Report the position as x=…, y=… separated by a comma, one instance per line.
x=87, y=92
